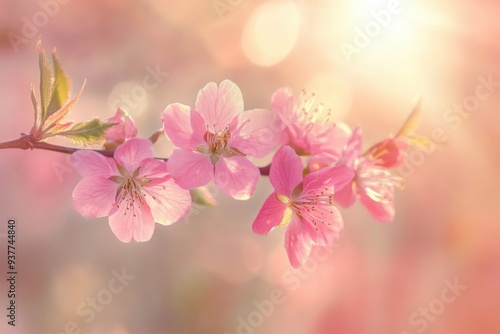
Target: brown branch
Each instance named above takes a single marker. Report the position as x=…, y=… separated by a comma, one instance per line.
x=69, y=150
x=27, y=142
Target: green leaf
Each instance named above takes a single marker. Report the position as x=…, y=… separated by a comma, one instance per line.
x=61, y=87
x=412, y=121
x=46, y=80
x=87, y=132
x=35, y=106
x=202, y=196
x=57, y=116
x=421, y=142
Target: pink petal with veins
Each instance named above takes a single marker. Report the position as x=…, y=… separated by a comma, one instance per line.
x=218, y=105
x=93, y=196
x=257, y=132
x=236, y=176
x=128, y=225
x=270, y=215
x=183, y=126
x=190, y=169
x=286, y=171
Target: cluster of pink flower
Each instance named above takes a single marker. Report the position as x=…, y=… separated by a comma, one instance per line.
x=214, y=140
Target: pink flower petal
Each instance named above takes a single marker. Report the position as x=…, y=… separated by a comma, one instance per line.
x=94, y=196
x=327, y=228
x=316, y=163
x=257, y=133
x=346, y=196
x=152, y=169
x=125, y=127
x=286, y=171
x=90, y=163
x=353, y=148
x=219, y=105
x=383, y=211
x=184, y=127
x=285, y=138
x=389, y=153
x=298, y=243
x=190, y=169
x=337, y=177
x=376, y=186
x=137, y=223
x=117, y=117
x=236, y=176
x=269, y=216
x=168, y=202
x=129, y=127
x=132, y=152
x=283, y=104
x=116, y=132
x=328, y=140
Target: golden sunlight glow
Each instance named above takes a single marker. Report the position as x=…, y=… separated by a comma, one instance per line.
x=334, y=92
x=271, y=33
x=381, y=41
x=378, y=32
x=130, y=96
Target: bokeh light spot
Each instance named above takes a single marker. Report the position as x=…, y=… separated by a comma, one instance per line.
x=271, y=33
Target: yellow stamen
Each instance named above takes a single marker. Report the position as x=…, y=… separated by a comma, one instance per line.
x=283, y=199
x=287, y=217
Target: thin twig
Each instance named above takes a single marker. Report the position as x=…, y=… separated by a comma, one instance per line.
x=27, y=142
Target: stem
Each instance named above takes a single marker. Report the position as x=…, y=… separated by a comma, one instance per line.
x=156, y=135
x=69, y=150
x=28, y=142
x=18, y=143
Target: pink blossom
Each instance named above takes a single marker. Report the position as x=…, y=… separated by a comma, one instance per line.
x=388, y=153
x=132, y=188
x=215, y=138
x=117, y=134
x=309, y=129
x=304, y=204
x=372, y=183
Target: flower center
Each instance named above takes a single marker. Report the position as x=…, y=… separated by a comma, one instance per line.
x=310, y=115
x=218, y=144
x=283, y=199
x=131, y=191
x=315, y=206
x=377, y=182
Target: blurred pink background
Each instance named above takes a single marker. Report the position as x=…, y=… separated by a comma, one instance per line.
x=207, y=274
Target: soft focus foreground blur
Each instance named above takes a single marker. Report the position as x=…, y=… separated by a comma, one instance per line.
x=435, y=269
